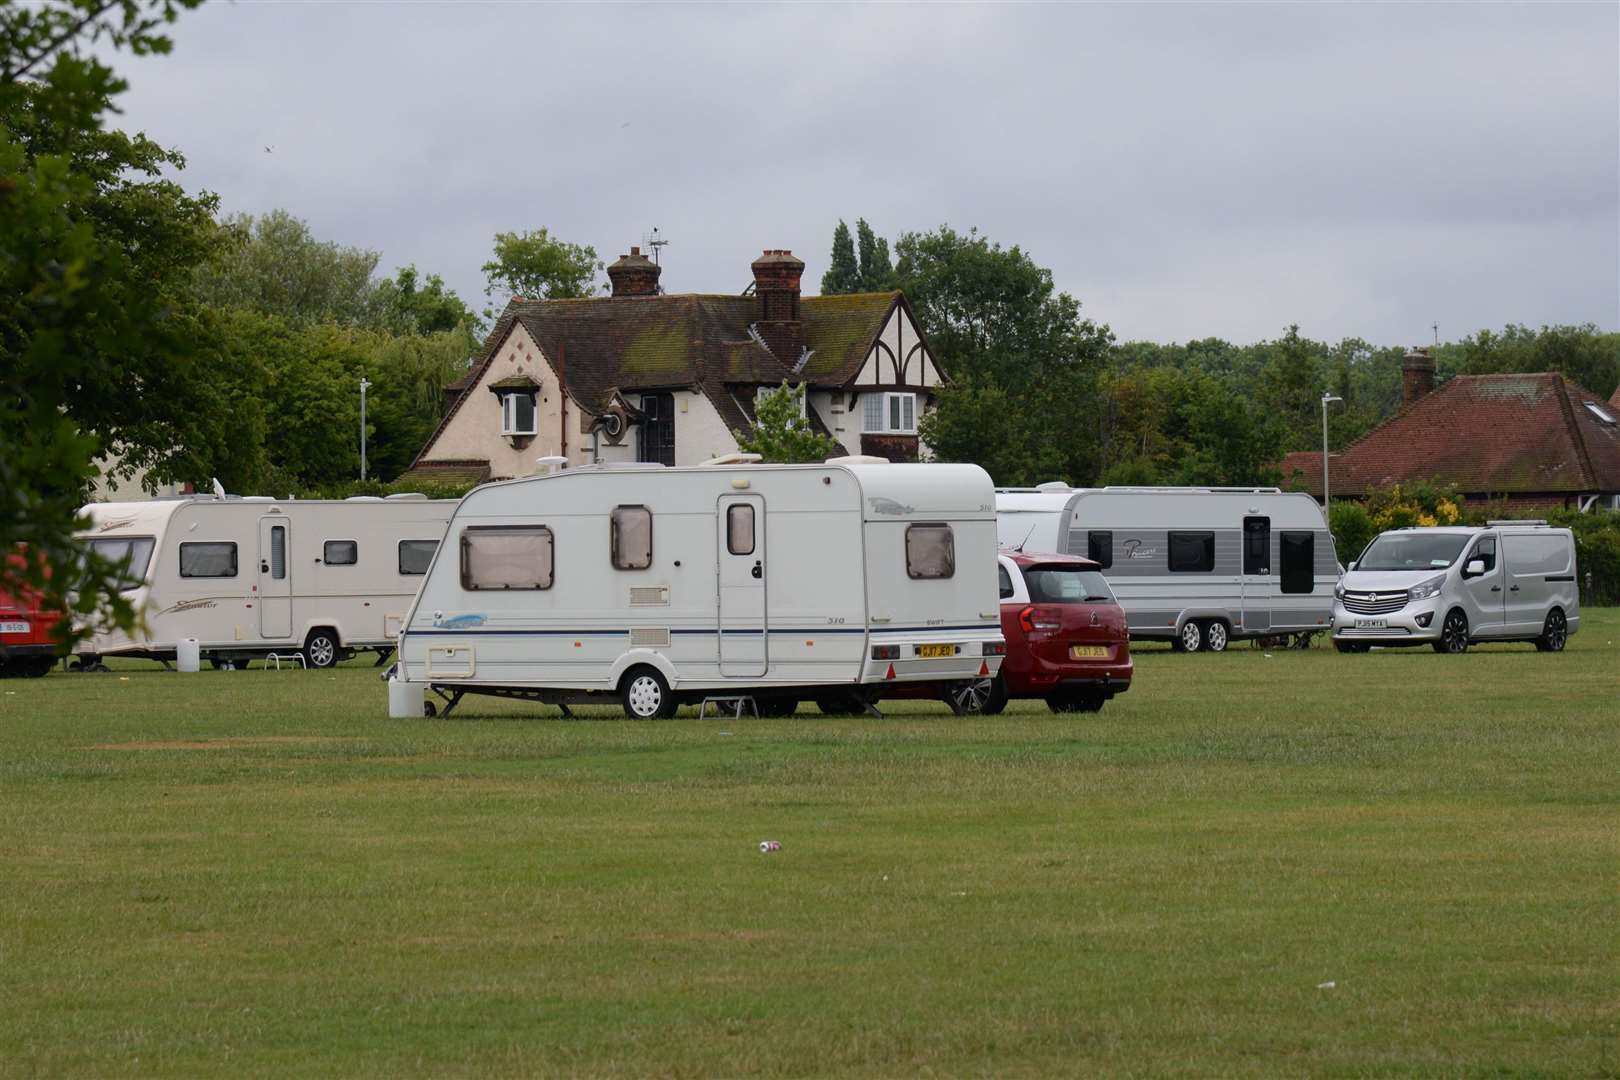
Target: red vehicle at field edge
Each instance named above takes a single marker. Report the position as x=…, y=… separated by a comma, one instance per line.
x=1067, y=641
x=26, y=646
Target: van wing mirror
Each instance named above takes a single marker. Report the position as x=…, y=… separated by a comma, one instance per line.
x=1351, y=567
x=1475, y=568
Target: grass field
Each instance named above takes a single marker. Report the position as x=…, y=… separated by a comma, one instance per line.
x=1251, y=865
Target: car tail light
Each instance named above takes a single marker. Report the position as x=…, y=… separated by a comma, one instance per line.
x=1033, y=619
x=885, y=652
x=995, y=648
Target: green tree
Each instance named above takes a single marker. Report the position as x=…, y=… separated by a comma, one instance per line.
x=782, y=432
x=276, y=266
x=1000, y=326
x=97, y=335
x=875, y=268
x=843, y=272
x=408, y=304
x=537, y=266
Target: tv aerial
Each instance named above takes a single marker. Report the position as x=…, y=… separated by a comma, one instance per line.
x=654, y=241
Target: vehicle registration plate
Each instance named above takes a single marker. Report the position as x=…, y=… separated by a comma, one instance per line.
x=1082, y=652
x=14, y=628
x=936, y=650
x=1372, y=624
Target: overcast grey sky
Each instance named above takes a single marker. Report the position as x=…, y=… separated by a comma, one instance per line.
x=1185, y=170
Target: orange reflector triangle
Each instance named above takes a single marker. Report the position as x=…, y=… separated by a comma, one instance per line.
x=984, y=667
x=890, y=675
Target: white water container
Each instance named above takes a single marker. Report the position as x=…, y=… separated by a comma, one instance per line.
x=405, y=699
x=187, y=656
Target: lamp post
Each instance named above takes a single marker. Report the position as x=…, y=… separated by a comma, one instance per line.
x=1325, y=399
x=365, y=384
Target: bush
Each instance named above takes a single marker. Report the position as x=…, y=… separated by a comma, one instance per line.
x=1353, y=529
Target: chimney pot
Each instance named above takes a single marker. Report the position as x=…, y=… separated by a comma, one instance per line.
x=635, y=251
x=1417, y=375
x=634, y=275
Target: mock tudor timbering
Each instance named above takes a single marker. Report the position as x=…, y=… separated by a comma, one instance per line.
x=646, y=375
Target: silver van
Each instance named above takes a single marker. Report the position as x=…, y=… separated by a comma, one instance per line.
x=1447, y=587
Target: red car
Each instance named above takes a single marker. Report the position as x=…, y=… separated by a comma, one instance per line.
x=26, y=647
x=1066, y=635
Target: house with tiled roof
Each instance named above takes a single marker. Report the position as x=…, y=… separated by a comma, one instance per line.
x=1532, y=441
x=641, y=375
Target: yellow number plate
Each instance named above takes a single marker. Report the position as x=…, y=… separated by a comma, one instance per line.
x=936, y=650
x=1081, y=652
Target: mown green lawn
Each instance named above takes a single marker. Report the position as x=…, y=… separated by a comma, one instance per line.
x=1251, y=865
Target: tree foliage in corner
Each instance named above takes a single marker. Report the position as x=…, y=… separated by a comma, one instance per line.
x=537, y=266
x=843, y=272
x=97, y=325
x=782, y=433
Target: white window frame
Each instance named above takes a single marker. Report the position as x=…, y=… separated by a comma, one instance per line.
x=509, y=412
x=887, y=401
x=763, y=392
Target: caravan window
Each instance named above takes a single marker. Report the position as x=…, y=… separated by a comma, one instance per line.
x=278, y=552
x=930, y=551
x=1192, y=552
x=207, y=560
x=506, y=557
x=1100, y=548
x=415, y=556
x=1298, y=562
x=341, y=552
x=630, y=537
x=130, y=556
x=740, y=529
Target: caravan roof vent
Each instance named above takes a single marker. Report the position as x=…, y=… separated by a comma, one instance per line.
x=857, y=459
x=734, y=459
x=1053, y=485
x=364, y=498
x=404, y=496
x=551, y=463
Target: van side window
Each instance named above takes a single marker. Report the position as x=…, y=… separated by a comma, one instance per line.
x=207, y=560
x=506, y=557
x=1192, y=552
x=1100, y=547
x=1298, y=562
x=930, y=551
x=340, y=552
x=416, y=555
x=630, y=537
x=1486, y=550
x=740, y=529
x=1006, y=581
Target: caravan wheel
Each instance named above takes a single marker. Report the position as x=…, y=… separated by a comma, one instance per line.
x=1192, y=637
x=321, y=650
x=646, y=695
x=1216, y=636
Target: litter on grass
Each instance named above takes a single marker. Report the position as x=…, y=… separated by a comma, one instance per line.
x=1326, y=986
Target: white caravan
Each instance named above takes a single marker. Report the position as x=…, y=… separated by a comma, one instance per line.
x=1197, y=567
x=667, y=585
x=1447, y=587
x=248, y=577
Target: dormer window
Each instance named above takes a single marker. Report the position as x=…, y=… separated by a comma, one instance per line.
x=518, y=394
x=517, y=413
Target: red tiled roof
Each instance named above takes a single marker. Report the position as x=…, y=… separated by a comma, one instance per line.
x=1486, y=434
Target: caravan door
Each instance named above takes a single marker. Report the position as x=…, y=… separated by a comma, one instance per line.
x=1257, y=583
x=741, y=547
x=275, y=583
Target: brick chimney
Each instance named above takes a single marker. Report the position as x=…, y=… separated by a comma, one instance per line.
x=634, y=275
x=1417, y=375
x=776, y=283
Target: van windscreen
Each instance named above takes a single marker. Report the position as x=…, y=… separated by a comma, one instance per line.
x=1412, y=551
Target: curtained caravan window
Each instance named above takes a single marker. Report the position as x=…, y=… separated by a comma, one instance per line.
x=930, y=551
x=502, y=557
x=630, y=537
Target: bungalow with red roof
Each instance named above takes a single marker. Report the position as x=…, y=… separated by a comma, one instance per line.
x=1533, y=441
x=641, y=375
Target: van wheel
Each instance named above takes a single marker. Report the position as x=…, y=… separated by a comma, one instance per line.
x=1191, y=638
x=772, y=707
x=848, y=703
x=646, y=695
x=38, y=667
x=1554, y=633
x=1351, y=646
x=1453, y=634
x=321, y=650
x=1216, y=636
